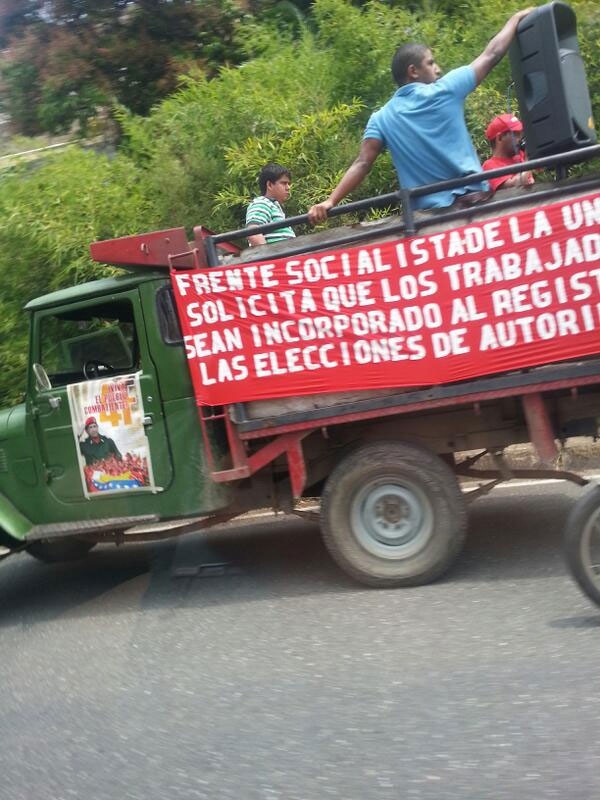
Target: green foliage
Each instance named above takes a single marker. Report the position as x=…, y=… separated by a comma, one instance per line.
x=183, y=144
x=76, y=197
x=308, y=146
x=48, y=217
x=58, y=109
x=588, y=30
x=19, y=95
x=65, y=57
x=365, y=40
x=304, y=86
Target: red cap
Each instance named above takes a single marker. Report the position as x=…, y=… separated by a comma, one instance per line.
x=90, y=421
x=501, y=124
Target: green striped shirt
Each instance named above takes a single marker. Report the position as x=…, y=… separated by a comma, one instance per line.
x=263, y=210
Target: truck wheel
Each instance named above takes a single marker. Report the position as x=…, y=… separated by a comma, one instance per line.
x=582, y=543
x=60, y=550
x=393, y=514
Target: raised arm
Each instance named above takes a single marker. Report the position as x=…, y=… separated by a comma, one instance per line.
x=497, y=47
x=354, y=175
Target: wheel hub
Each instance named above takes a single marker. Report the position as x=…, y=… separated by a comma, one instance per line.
x=391, y=510
x=391, y=519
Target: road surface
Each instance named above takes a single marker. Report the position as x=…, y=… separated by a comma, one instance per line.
x=285, y=679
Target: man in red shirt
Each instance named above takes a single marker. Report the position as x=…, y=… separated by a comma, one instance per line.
x=505, y=134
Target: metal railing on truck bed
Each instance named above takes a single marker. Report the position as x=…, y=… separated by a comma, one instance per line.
x=410, y=224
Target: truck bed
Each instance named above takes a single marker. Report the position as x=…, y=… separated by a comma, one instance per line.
x=310, y=409
x=296, y=413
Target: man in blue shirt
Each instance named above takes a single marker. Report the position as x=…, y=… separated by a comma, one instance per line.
x=423, y=124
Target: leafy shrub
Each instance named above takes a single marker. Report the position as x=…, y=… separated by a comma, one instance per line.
x=48, y=217
x=301, y=96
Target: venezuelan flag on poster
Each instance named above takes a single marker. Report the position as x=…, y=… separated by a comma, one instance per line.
x=102, y=481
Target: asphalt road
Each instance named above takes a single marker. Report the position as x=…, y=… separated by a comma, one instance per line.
x=287, y=680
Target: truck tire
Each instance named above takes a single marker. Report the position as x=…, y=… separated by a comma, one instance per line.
x=393, y=514
x=60, y=550
x=582, y=543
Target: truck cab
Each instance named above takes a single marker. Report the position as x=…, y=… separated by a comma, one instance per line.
x=102, y=329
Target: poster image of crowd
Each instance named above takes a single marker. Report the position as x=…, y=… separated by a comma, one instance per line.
x=107, y=419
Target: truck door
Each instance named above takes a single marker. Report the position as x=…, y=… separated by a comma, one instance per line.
x=98, y=338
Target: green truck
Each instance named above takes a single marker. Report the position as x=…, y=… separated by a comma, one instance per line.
x=385, y=465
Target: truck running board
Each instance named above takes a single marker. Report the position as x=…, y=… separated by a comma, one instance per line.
x=59, y=529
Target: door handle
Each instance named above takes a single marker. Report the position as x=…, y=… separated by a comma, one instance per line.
x=54, y=402
x=148, y=420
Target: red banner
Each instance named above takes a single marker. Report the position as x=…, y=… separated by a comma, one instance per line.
x=507, y=293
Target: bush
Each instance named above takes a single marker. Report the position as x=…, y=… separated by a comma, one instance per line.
x=48, y=217
x=301, y=97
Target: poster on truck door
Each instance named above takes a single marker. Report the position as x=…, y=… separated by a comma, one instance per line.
x=107, y=417
x=502, y=294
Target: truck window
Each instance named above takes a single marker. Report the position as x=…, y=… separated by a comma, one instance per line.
x=71, y=339
x=168, y=321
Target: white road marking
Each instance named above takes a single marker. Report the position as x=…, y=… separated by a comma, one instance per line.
x=539, y=481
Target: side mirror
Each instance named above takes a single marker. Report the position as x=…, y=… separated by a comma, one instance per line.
x=42, y=381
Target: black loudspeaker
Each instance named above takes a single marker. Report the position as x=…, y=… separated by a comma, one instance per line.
x=550, y=82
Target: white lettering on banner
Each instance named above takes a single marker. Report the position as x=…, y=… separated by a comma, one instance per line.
x=401, y=255
x=331, y=267
x=361, y=351
x=307, y=301
x=541, y=227
x=584, y=213
x=215, y=280
x=295, y=359
x=205, y=344
x=450, y=244
x=288, y=298
x=563, y=322
x=361, y=323
x=465, y=310
x=379, y=265
x=236, y=370
x=348, y=295
x=421, y=253
x=311, y=270
x=540, y=294
x=438, y=307
x=409, y=286
x=449, y=343
x=208, y=313
x=512, y=266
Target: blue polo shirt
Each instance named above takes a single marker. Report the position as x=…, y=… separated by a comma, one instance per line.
x=423, y=126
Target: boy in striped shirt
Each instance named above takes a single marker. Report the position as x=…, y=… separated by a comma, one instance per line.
x=274, y=183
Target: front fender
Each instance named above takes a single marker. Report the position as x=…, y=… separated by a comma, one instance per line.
x=12, y=522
